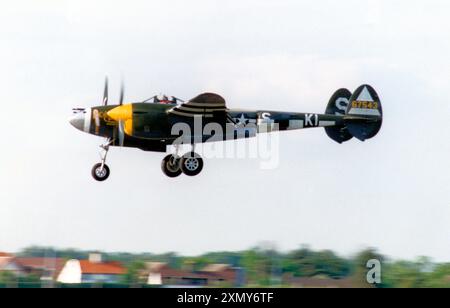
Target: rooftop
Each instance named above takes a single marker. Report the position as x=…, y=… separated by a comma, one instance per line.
x=105, y=268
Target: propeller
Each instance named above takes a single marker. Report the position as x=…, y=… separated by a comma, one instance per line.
x=105, y=93
x=121, y=132
x=122, y=92
x=121, y=124
x=123, y=115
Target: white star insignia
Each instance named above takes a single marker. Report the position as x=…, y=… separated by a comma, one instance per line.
x=242, y=120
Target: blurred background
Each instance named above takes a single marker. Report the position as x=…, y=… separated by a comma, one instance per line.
x=261, y=266
x=391, y=192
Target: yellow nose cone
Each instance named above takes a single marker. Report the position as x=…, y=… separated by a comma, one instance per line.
x=121, y=113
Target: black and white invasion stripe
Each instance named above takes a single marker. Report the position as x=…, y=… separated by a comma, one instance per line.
x=203, y=105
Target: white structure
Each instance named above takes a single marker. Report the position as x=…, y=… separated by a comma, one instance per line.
x=155, y=276
x=91, y=271
x=71, y=273
x=154, y=279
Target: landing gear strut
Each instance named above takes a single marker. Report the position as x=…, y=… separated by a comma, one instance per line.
x=100, y=172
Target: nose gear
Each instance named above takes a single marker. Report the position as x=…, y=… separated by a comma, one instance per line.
x=100, y=172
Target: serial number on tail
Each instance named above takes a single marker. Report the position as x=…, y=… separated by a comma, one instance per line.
x=365, y=105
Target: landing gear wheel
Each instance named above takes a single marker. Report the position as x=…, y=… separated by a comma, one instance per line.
x=100, y=174
x=170, y=166
x=191, y=164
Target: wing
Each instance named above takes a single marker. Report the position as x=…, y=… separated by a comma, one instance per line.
x=207, y=105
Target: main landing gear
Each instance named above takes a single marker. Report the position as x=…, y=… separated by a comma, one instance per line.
x=190, y=164
x=172, y=165
x=100, y=172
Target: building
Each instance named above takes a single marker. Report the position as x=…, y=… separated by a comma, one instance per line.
x=5, y=258
x=7, y=264
x=43, y=268
x=93, y=270
x=161, y=274
x=224, y=274
x=158, y=274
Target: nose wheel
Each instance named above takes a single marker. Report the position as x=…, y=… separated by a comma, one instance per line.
x=100, y=172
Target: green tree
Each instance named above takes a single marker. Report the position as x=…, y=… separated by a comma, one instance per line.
x=403, y=274
x=360, y=267
x=258, y=266
x=7, y=278
x=133, y=272
x=439, y=277
x=307, y=263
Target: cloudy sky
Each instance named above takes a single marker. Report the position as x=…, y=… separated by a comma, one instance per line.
x=391, y=192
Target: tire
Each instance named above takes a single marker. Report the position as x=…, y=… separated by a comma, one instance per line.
x=168, y=168
x=191, y=164
x=98, y=174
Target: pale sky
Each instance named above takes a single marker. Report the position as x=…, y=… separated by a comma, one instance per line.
x=391, y=192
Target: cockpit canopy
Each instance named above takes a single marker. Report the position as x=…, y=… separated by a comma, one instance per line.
x=164, y=99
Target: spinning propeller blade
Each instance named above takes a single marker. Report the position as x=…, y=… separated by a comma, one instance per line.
x=122, y=114
x=121, y=132
x=105, y=93
x=121, y=124
x=122, y=92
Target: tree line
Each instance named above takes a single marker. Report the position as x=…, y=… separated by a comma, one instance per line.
x=269, y=267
